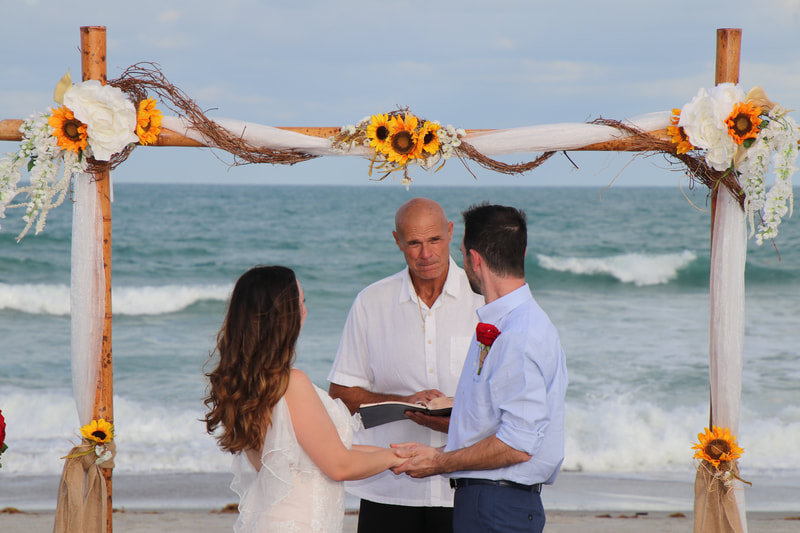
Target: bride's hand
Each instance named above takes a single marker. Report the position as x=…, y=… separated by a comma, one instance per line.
x=399, y=460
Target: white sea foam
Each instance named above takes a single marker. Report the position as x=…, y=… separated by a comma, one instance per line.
x=639, y=269
x=50, y=299
x=608, y=436
x=43, y=426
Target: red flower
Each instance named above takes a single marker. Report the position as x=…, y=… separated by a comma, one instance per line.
x=486, y=333
x=2, y=434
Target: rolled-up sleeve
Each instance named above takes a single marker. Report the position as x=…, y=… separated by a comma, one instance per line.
x=520, y=394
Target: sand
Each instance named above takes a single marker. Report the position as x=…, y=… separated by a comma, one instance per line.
x=195, y=521
x=576, y=503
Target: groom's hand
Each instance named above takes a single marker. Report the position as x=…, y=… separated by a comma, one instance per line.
x=422, y=461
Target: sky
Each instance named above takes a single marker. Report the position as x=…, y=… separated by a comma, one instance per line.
x=498, y=64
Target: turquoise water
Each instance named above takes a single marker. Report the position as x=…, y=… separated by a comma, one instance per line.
x=623, y=274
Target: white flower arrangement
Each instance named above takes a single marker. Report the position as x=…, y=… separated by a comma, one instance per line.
x=779, y=138
x=108, y=114
x=46, y=191
x=744, y=134
x=96, y=121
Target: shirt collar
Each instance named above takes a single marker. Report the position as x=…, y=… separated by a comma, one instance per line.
x=452, y=285
x=493, y=312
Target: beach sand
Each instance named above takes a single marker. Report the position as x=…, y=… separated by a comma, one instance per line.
x=577, y=503
x=194, y=521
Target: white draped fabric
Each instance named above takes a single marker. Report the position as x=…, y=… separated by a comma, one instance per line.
x=87, y=294
x=544, y=138
x=726, y=339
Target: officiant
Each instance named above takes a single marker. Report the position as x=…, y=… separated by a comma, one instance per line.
x=405, y=339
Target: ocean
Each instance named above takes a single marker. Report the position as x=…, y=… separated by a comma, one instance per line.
x=622, y=273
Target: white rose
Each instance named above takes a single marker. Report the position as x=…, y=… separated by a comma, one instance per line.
x=725, y=96
x=701, y=121
x=109, y=116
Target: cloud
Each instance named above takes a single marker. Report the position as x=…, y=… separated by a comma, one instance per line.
x=503, y=43
x=168, y=16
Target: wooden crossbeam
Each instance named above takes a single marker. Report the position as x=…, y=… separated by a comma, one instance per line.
x=9, y=131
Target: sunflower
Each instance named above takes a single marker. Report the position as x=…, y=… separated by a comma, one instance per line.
x=69, y=131
x=717, y=446
x=428, y=139
x=378, y=133
x=98, y=431
x=403, y=143
x=678, y=134
x=679, y=137
x=148, y=121
x=744, y=123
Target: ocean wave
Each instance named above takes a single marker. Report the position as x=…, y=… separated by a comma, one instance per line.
x=49, y=299
x=608, y=436
x=639, y=269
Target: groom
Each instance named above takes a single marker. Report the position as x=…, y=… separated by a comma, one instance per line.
x=506, y=435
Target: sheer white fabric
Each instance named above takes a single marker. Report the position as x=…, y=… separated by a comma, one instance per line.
x=87, y=294
x=290, y=494
x=726, y=339
x=543, y=138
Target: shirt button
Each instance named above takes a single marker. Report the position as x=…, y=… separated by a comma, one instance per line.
x=429, y=341
x=431, y=371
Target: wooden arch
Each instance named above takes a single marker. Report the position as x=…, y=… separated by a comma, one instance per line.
x=722, y=413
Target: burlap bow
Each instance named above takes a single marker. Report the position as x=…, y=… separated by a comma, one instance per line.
x=715, y=507
x=82, y=496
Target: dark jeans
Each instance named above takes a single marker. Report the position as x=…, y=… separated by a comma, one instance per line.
x=385, y=518
x=487, y=508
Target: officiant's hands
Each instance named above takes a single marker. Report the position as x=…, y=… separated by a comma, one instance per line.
x=437, y=423
x=424, y=396
x=422, y=461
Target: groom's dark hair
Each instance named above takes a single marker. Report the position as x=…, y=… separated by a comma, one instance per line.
x=500, y=234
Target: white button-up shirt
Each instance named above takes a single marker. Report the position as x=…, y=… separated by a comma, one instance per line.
x=393, y=343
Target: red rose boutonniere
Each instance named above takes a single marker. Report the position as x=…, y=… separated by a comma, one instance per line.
x=486, y=334
x=3, y=445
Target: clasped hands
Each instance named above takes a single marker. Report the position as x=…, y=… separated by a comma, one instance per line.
x=421, y=460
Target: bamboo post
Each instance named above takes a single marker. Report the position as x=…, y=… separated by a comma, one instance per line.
x=93, y=67
x=726, y=287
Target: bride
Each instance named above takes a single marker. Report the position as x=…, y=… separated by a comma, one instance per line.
x=291, y=443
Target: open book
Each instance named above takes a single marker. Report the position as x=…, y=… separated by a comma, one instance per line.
x=375, y=414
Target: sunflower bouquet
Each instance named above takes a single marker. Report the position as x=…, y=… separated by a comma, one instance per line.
x=742, y=134
x=93, y=123
x=717, y=452
x=397, y=139
x=97, y=436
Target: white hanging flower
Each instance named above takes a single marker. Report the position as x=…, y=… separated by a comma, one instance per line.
x=782, y=135
x=109, y=116
x=10, y=174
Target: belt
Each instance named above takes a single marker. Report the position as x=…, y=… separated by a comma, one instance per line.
x=460, y=483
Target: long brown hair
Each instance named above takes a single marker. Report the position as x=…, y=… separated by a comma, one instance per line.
x=256, y=350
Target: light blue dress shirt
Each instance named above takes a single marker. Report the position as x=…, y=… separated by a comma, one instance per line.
x=519, y=394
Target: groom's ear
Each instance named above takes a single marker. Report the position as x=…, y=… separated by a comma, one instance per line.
x=475, y=259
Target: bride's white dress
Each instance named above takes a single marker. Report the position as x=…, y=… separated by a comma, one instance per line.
x=289, y=494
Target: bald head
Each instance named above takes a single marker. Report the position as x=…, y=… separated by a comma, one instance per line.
x=418, y=209
x=423, y=234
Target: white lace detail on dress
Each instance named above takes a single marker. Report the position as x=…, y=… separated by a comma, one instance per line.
x=290, y=494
